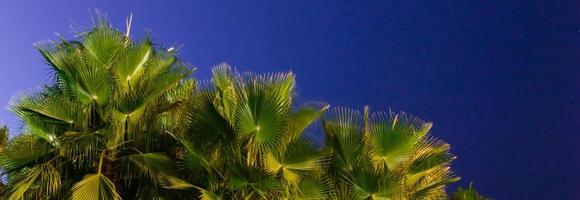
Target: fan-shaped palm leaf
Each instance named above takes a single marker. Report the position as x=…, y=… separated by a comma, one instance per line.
x=262, y=117
x=295, y=161
x=391, y=139
x=343, y=128
x=95, y=187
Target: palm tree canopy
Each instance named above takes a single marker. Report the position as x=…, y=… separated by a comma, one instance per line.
x=108, y=108
x=123, y=120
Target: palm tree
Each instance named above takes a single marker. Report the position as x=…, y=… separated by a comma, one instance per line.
x=98, y=132
x=247, y=143
x=122, y=120
x=246, y=140
x=384, y=155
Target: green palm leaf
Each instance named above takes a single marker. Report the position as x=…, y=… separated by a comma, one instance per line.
x=46, y=109
x=129, y=66
x=262, y=117
x=296, y=161
x=313, y=188
x=23, y=151
x=305, y=115
x=94, y=187
x=42, y=179
x=225, y=82
x=343, y=128
x=102, y=44
x=391, y=139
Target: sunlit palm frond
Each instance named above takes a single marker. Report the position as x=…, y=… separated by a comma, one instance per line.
x=24, y=151
x=46, y=110
x=293, y=163
x=343, y=128
x=94, y=187
x=129, y=65
x=429, y=155
x=42, y=179
x=262, y=117
x=391, y=139
x=159, y=62
x=313, y=188
x=433, y=184
x=208, y=195
x=299, y=120
x=130, y=110
x=102, y=44
x=226, y=82
x=365, y=183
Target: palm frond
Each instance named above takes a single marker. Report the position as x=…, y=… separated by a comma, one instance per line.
x=391, y=140
x=102, y=44
x=226, y=98
x=94, y=187
x=343, y=128
x=302, y=118
x=129, y=66
x=44, y=179
x=23, y=151
x=313, y=188
x=262, y=117
x=295, y=162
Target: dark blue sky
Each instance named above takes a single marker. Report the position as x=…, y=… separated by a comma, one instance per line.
x=500, y=80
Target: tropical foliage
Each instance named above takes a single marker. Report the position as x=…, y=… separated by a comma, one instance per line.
x=123, y=120
x=467, y=194
x=98, y=131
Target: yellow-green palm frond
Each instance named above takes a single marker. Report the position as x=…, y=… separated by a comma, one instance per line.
x=226, y=83
x=24, y=151
x=48, y=111
x=42, y=180
x=392, y=138
x=94, y=187
x=262, y=117
x=102, y=44
x=129, y=66
x=343, y=127
x=303, y=117
x=296, y=161
x=313, y=188
x=367, y=183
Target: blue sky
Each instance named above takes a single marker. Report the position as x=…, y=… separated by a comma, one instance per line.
x=500, y=80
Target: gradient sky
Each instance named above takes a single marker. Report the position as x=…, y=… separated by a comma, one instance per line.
x=500, y=80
